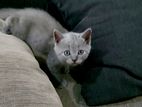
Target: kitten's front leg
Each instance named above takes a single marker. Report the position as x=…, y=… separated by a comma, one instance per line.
x=55, y=68
x=58, y=76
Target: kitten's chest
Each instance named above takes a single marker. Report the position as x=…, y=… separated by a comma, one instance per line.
x=64, y=69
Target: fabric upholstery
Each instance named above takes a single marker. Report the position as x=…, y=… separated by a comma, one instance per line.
x=22, y=82
x=112, y=72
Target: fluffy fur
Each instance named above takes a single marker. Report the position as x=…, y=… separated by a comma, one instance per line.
x=2, y=25
x=60, y=48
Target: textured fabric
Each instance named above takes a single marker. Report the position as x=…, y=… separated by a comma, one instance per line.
x=112, y=72
x=22, y=82
x=136, y=102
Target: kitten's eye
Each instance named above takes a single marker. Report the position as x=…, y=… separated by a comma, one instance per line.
x=80, y=52
x=66, y=52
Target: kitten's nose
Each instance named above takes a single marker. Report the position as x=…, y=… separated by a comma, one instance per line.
x=74, y=60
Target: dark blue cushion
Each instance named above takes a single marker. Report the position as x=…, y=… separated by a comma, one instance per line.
x=24, y=3
x=113, y=71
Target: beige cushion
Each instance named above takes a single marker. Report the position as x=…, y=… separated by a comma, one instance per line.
x=22, y=82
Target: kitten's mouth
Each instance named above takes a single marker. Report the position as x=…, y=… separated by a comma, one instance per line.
x=75, y=64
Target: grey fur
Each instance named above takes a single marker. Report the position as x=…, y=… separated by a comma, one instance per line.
x=2, y=25
x=59, y=48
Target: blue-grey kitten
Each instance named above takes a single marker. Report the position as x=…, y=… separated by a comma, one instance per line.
x=70, y=49
x=60, y=48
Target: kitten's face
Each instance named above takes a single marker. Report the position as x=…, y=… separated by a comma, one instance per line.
x=14, y=26
x=72, y=48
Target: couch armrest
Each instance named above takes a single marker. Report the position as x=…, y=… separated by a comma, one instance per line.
x=22, y=82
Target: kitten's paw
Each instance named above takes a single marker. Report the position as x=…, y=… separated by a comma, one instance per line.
x=64, y=83
x=81, y=102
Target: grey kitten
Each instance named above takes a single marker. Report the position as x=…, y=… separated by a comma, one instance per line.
x=2, y=25
x=71, y=49
x=38, y=29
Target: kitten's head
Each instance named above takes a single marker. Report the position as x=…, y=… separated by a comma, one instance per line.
x=12, y=25
x=15, y=26
x=72, y=48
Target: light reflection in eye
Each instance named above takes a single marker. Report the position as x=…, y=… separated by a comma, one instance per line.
x=67, y=53
x=80, y=52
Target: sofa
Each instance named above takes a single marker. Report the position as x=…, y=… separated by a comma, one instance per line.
x=110, y=77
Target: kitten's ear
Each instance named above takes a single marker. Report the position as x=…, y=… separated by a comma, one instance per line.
x=13, y=19
x=2, y=24
x=87, y=35
x=57, y=36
